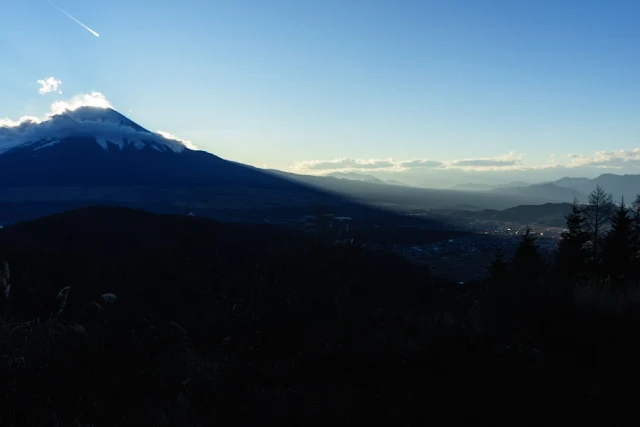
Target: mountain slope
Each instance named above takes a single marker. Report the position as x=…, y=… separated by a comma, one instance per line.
x=549, y=214
x=548, y=191
x=618, y=185
x=583, y=185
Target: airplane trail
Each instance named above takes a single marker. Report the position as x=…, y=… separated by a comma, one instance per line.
x=69, y=15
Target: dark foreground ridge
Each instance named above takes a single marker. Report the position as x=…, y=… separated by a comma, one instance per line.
x=118, y=317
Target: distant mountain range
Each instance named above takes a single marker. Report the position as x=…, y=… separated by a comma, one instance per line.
x=98, y=156
x=487, y=187
x=549, y=191
x=404, y=198
x=549, y=214
x=627, y=186
x=565, y=189
x=356, y=177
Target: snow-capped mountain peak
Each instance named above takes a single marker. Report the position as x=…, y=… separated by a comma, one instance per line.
x=104, y=126
x=98, y=115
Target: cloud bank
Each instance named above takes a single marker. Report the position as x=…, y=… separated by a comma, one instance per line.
x=420, y=163
x=50, y=84
x=345, y=163
x=510, y=162
x=486, y=163
x=608, y=159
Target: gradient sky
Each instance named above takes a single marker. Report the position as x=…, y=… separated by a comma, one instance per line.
x=514, y=89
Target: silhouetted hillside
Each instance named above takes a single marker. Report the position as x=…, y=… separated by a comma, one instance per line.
x=120, y=317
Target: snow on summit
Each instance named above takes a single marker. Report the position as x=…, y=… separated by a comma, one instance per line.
x=103, y=124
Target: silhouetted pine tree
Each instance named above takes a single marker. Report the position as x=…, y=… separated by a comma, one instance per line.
x=498, y=269
x=635, y=213
x=500, y=288
x=572, y=254
x=598, y=214
x=527, y=259
x=619, y=246
x=527, y=290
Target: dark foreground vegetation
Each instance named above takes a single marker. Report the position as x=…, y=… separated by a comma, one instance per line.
x=117, y=317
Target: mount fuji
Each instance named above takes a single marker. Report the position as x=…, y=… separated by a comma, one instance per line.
x=99, y=146
x=94, y=155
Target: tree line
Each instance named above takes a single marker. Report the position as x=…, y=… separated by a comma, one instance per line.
x=599, y=250
x=600, y=244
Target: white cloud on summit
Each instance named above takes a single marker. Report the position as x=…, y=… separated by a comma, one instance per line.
x=190, y=145
x=8, y=123
x=50, y=84
x=12, y=133
x=93, y=99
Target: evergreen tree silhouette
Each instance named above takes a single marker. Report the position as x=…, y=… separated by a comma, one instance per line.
x=498, y=269
x=635, y=211
x=499, y=289
x=635, y=214
x=598, y=214
x=572, y=254
x=527, y=259
x=526, y=291
x=619, y=246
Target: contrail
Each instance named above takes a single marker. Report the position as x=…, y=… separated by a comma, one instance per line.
x=85, y=27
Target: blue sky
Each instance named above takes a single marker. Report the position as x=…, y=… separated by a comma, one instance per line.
x=516, y=89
